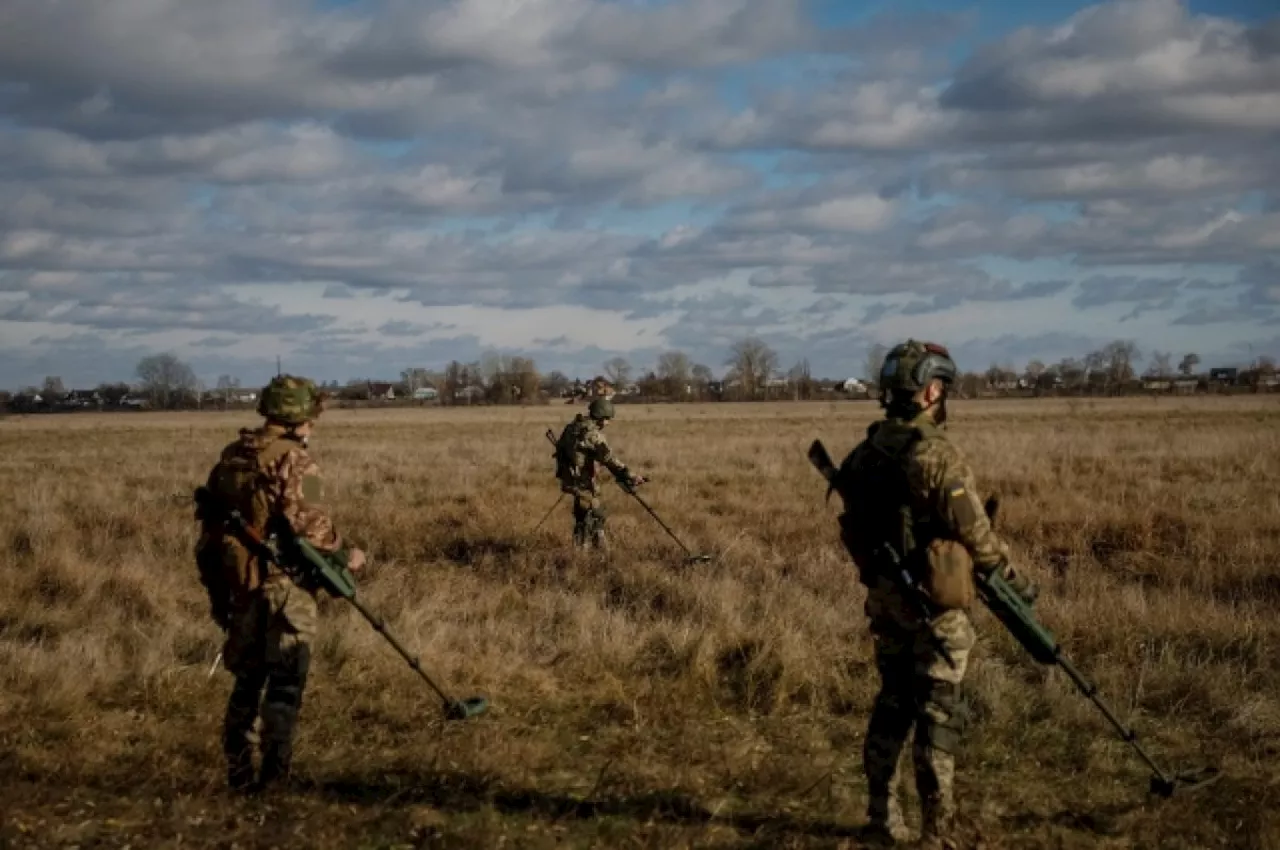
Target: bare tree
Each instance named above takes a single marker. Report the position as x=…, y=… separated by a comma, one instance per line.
x=752, y=362
x=524, y=378
x=801, y=380
x=1261, y=372
x=875, y=362
x=1095, y=368
x=1161, y=365
x=1071, y=371
x=165, y=379
x=1188, y=364
x=1120, y=356
x=618, y=371
x=53, y=389
x=702, y=378
x=556, y=383
x=673, y=371
x=415, y=378
x=225, y=387
x=1033, y=372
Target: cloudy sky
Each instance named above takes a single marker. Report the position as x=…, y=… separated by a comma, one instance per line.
x=363, y=186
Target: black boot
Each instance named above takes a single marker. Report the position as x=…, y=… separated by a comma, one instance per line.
x=238, y=736
x=285, y=683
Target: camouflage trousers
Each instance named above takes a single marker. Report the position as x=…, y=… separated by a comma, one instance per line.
x=588, y=519
x=920, y=691
x=268, y=649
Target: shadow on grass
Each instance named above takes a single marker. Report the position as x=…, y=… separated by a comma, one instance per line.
x=460, y=792
x=469, y=551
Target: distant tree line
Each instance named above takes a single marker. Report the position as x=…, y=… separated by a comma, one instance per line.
x=752, y=371
x=1113, y=370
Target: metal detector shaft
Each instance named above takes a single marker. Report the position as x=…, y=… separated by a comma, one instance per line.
x=381, y=628
x=1127, y=734
x=633, y=494
x=548, y=514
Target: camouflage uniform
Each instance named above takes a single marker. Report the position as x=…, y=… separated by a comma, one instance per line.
x=270, y=621
x=931, y=495
x=591, y=452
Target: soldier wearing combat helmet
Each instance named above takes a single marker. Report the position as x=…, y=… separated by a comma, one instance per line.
x=269, y=620
x=580, y=452
x=911, y=501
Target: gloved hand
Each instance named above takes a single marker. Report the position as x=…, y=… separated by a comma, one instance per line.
x=1021, y=584
x=630, y=481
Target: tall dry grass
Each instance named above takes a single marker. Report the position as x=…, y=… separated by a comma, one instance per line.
x=636, y=701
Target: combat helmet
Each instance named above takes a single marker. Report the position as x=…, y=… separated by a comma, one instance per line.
x=911, y=365
x=291, y=400
x=600, y=409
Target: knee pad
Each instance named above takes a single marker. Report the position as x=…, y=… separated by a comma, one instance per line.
x=940, y=716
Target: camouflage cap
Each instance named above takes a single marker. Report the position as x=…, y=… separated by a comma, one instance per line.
x=912, y=364
x=291, y=399
x=601, y=408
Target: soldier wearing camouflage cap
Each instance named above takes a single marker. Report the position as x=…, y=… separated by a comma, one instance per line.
x=580, y=452
x=911, y=500
x=269, y=621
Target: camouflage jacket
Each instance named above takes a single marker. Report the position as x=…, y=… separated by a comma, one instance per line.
x=940, y=486
x=593, y=452
x=266, y=473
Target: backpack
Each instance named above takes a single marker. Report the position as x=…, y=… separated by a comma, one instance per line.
x=568, y=457
x=227, y=570
x=872, y=482
x=879, y=511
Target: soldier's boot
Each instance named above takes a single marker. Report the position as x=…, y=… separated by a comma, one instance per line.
x=581, y=526
x=598, y=539
x=238, y=734
x=280, y=716
x=885, y=824
x=883, y=754
x=935, y=781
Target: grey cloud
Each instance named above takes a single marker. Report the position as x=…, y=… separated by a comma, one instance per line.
x=876, y=312
x=1208, y=314
x=216, y=342
x=140, y=306
x=401, y=328
x=1099, y=290
x=1147, y=65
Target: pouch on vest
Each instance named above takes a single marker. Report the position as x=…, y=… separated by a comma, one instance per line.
x=948, y=578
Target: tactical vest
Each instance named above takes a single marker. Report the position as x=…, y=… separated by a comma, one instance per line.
x=238, y=482
x=881, y=513
x=569, y=456
x=879, y=504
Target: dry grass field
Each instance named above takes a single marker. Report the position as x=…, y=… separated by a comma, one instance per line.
x=637, y=702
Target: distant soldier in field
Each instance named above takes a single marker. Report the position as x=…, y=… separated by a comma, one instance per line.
x=580, y=452
x=911, y=499
x=269, y=620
